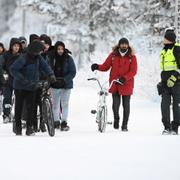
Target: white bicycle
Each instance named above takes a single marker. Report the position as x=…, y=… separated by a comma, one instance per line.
x=101, y=112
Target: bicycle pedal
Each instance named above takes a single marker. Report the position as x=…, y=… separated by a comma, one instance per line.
x=93, y=111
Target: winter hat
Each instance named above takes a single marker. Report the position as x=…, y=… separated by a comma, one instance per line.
x=14, y=41
x=33, y=37
x=22, y=39
x=59, y=43
x=46, y=39
x=170, y=35
x=35, y=47
x=123, y=41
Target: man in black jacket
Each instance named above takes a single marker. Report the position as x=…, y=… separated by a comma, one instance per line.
x=26, y=72
x=169, y=87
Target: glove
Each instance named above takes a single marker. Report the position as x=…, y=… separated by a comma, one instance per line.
x=60, y=83
x=122, y=81
x=52, y=79
x=171, y=81
x=94, y=67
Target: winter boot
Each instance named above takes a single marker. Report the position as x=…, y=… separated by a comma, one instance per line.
x=116, y=124
x=42, y=127
x=6, y=119
x=174, y=128
x=64, y=126
x=166, y=131
x=124, y=128
x=30, y=131
x=57, y=124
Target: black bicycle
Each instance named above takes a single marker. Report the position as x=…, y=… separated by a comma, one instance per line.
x=47, y=114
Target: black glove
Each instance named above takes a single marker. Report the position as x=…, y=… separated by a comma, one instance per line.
x=94, y=67
x=60, y=83
x=122, y=80
x=52, y=79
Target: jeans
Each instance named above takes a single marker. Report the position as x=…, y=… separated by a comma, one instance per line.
x=60, y=99
x=7, y=101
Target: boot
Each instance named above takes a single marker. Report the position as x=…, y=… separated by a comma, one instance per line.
x=116, y=124
x=42, y=127
x=64, y=126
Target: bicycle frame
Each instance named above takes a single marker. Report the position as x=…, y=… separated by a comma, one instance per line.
x=101, y=112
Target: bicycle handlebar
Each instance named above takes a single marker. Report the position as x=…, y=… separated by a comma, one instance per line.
x=113, y=81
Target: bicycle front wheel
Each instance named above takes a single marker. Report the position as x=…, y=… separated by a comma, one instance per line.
x=102, y=119
x=48, y=116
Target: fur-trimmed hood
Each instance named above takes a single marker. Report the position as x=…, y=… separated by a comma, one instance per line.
x=130, y=52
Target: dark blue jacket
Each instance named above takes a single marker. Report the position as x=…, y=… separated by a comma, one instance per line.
x=25, y=68
x=69, y=70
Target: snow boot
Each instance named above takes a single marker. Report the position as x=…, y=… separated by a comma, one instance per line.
x=166, y=132
x=116, y=124
x=64, y=126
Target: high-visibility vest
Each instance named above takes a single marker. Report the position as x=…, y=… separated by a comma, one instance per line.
x=168, y=60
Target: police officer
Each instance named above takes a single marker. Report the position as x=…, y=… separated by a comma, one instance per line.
x=169, y=88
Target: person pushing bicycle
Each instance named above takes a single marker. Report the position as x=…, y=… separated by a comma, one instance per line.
x=123, y=67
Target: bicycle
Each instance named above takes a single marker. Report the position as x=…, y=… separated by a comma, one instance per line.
x=101, y=112
x=47, y=113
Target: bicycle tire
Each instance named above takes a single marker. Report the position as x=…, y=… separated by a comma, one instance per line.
x=48, y=116
x=102, y=119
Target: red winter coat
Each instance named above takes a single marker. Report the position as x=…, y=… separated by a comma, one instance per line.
x=120, y=66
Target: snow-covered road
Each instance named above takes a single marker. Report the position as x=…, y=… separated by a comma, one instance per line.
x=85, y=154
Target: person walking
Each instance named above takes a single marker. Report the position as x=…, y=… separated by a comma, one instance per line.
x=6, y=60
x=26, y=74
x=123, y=67
x=169, y=87
x=64, y=69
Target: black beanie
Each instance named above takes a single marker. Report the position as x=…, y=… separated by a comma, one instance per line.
x=170, y=36
x=35, y=47
x=123, y=41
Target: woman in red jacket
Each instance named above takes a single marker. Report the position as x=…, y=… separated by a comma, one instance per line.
x=123, y=66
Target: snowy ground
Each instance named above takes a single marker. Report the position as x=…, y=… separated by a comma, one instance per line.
x=85, y=154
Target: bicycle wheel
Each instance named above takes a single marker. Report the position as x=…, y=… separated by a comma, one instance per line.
x=102, y=119
x=48, y=116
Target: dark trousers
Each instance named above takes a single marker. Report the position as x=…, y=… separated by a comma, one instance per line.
x=168, y=95
x=20, y=97
x=7, y=101
x=126, y=107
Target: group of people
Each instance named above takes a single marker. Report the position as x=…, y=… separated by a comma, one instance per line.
x=21, y=67
x=122, y=64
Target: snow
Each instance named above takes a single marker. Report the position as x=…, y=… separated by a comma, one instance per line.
x=84, y=153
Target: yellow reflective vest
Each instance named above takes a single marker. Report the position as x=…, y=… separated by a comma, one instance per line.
x=168, y=60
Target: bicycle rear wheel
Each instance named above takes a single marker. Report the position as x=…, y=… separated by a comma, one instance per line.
x=102, y=119
x=48, y=116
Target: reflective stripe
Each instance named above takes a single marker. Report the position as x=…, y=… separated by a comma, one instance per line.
x=168, y=60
